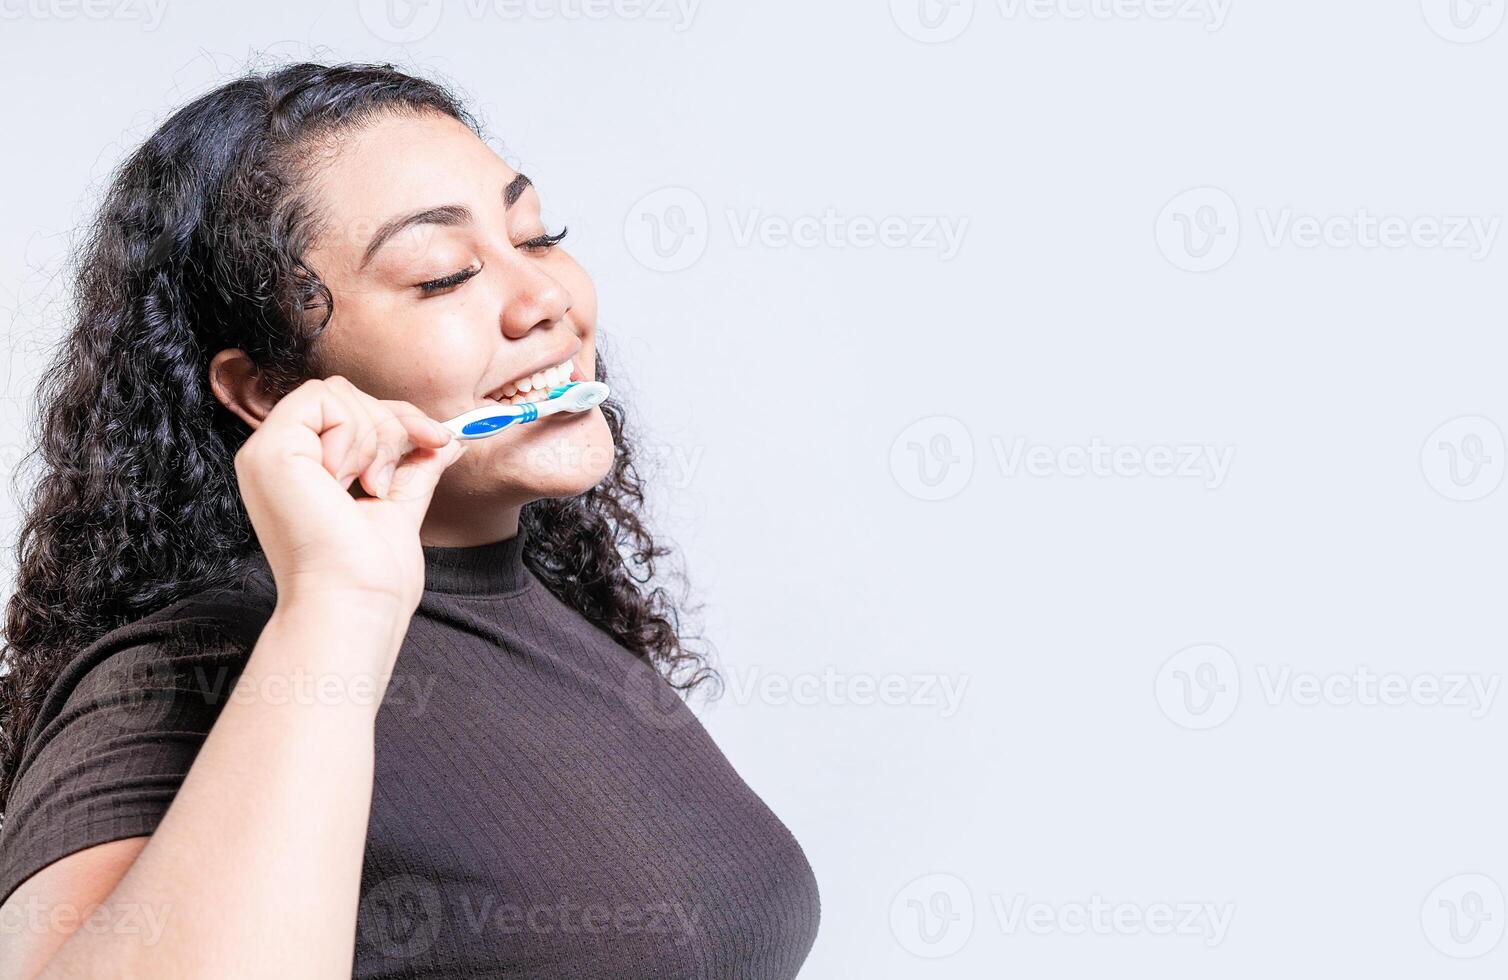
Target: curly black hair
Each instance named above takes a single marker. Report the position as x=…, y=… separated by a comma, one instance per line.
x=197, y=248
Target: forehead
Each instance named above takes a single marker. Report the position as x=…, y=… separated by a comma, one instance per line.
x=397, y=163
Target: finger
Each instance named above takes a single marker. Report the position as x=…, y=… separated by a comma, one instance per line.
x=391, y=442
x=400, y=429
x=413, y=485
x=422, y=429
x=350, y=443
x=386, y=431
x=362, y=436
x=324, y=422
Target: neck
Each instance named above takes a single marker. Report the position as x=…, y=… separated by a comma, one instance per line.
x=489, y=569
x=445, y=531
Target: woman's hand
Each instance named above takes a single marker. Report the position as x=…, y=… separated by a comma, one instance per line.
x=295, y=472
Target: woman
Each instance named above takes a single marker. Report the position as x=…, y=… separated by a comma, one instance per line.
x=252, y=533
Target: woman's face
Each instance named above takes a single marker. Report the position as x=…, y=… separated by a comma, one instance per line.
x=447, y=290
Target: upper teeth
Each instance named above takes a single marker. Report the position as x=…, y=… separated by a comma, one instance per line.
x=539, y=383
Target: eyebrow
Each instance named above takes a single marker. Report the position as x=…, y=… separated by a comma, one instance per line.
x=445, y=214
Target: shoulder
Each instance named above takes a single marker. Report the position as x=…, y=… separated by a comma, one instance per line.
x=119, y=726
x=203, y=638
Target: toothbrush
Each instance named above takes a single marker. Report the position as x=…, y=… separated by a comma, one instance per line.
x=479, y=423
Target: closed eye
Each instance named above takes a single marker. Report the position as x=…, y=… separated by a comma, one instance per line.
x=539, y=243
x=543, y=243
x=445, y=282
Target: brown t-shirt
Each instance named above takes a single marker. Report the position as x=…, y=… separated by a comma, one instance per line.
x=543, y=805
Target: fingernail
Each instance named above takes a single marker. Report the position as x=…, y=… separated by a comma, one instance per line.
x=385, y=479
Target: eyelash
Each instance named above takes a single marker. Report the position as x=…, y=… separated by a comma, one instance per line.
x=546, y=242
x=541, y=243
x=454, y=279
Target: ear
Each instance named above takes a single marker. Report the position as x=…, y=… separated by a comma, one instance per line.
x=234, y=379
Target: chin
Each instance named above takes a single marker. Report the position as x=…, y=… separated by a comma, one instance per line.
x=562, y=460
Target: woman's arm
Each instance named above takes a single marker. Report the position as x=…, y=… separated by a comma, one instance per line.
x=48, y=907
x=255, y=868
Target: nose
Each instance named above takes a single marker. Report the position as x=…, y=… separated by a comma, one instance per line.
x=534, y=299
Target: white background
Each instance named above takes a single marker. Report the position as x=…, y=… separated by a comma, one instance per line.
x=887, y=537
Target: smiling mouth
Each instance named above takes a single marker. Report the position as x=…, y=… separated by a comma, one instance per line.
x=534, y=387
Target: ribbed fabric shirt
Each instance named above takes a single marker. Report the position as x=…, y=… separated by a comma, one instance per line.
x=543, y=805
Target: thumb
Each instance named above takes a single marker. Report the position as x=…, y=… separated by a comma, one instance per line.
x=415, y=479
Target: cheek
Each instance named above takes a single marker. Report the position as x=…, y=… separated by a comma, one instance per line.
x=433, y=359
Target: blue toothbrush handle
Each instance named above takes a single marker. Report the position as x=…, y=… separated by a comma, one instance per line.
x=484, y=422
x=491, y=424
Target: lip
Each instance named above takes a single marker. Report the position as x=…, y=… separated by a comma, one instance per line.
x=496, y=394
